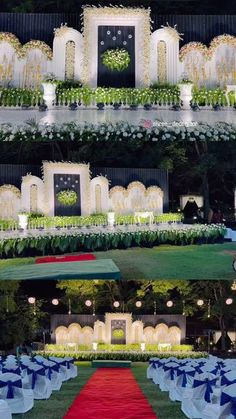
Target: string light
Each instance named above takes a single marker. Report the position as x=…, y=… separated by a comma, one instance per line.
x=209, y=309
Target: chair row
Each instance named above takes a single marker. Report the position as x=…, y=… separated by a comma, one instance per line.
x=206, y=387
x=26, y=379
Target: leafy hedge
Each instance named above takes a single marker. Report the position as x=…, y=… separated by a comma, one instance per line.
x=37, y=221
x=132, y=356
x=67, y=94
x=134, y=347
x=68, y=242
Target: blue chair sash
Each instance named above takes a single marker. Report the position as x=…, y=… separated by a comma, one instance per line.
x=51, y=369
x=12, y=370
x=185, y=374
x=208, y=385
x=35, y=375
x=10, y=387
x=225, y=398
x=172, y=370
x=226, y=382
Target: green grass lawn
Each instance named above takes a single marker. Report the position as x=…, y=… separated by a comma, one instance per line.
x=212, y=261
x=59, y=402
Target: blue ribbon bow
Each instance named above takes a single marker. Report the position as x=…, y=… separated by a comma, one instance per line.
x=225, y=398
x=35, y=375
x=12, y=370
x=226, y=382
x=10, y=387
x=185, y=373
x=208, y=384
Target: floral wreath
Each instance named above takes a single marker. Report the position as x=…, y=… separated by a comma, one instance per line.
x=67, y=197
x=116, y=59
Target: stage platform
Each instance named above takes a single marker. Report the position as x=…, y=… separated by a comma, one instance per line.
x=94, y=116
x=111, y=364
x=96, y=269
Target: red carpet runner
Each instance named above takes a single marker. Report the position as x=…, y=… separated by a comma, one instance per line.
x=64, y=258
x=111, y=393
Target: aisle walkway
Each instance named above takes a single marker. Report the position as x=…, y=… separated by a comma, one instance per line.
x=111, y=393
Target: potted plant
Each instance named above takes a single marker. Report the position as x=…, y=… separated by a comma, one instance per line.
x=23, y=216
x=147, y=106
x=49, y=84
x=185, y=86
x=116, y=106
x=100, y=106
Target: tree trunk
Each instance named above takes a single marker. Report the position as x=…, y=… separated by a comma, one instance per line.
x=223, y=333
x=206, y=195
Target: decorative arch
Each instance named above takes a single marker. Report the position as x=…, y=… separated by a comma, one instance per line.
x=61, y=334
x=164, y=47
x=26, y=193
x=67, y=40
x=99, y=191
x=161, y=62
x=10, y=200
x=70, y=61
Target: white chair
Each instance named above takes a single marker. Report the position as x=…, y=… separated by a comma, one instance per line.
x=38, y=382
x=153, y=362
x=225, y=408
x=168, y=376
x=158, y=373
x=71, y=367
x=53, y=374
x=184, y=379
x=65, y=372
x=5, y=412
x=196, y=398
x=228, y=378
x=18, y=399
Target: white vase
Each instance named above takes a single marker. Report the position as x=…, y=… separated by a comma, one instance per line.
x=23, y=221
x=49, y=94
x=111, y=219
x=186, y=94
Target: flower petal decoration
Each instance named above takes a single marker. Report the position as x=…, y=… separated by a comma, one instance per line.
x=116, y=59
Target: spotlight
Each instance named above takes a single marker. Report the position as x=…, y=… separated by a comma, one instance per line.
x=31, y=300
x=138, y=304
x=116, y=304
x=200, y=303
x=88, y=303
x=229, y=301
x=55, y=302
x=169, y=303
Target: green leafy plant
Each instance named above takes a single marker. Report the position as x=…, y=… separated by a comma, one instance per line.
x=59, y=242
x=67, y=197
x=134, y=356
x=116, y=59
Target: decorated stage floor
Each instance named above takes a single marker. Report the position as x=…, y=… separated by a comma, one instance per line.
x=81, y=116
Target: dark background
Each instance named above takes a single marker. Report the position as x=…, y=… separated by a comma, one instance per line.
x=106, y=77
x=196, y=27
x=159, y=6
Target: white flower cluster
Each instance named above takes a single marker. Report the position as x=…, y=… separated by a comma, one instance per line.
x=119, y=132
